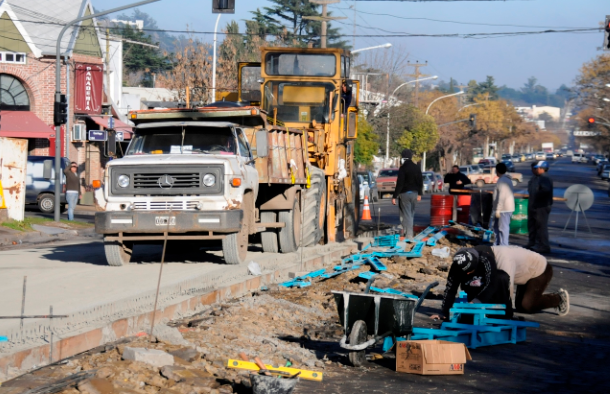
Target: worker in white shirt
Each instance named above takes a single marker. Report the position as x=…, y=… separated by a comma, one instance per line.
x=503, y=205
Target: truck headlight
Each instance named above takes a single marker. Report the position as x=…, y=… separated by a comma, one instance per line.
x=209, y=180
x=123, y=181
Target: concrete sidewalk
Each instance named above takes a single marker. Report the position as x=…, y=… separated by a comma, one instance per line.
x=40, y=235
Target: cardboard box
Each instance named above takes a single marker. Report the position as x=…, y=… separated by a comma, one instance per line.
x=431, y=357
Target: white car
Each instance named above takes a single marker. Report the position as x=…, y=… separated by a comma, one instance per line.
x=540, y=156
x=579, y=158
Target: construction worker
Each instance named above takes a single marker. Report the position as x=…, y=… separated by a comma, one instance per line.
x=456, y=179
x=474, y=270
x=409, y=189
x=531, y=273
x=540, y=188
x=503, y=205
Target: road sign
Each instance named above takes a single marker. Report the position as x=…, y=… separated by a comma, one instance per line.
x=584, y=133
x=120, y=136
x=98, y=135
x=111, y=123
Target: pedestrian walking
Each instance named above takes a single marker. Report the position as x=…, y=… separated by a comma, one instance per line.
x=474, y=270
x=531, y=273
x=503, y=205
x=409, y=189
x=540, y=189
x=456, y=179
x=72, y=189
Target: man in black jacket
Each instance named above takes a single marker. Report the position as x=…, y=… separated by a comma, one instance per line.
x=409, y=189
x=456, y=179
x=540, y=188
x=475, y=271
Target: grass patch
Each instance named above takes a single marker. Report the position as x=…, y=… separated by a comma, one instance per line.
x=26, y=225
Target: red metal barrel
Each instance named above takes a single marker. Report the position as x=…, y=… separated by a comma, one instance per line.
x=441, y=209
x=463, y=208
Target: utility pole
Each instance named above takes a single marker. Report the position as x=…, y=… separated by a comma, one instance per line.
x=324, y=18
x=354, y=38
x=416, y=76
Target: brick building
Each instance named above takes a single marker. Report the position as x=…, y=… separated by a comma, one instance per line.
x=28, y=34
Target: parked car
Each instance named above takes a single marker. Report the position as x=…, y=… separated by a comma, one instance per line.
x=550, y=156
x=490, y=177
x=523, y=158
x=40, y=182
x=606, y=173
x=507, y=156
x=603, y=168
x=486, y=163
x=386, y=181
x=570, y=153
x=529, y=156
x=600, y=166
x=369, y=181
x=509, y=165
x=477, y=168
x=468, y=169
x=516, y=158
x=579, y=158
x=598, y=158
x=540, y=156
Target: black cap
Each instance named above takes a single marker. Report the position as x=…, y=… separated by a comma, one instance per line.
x=467, y=259
x=407, y=154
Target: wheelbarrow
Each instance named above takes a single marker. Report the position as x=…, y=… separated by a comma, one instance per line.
x=368, y=318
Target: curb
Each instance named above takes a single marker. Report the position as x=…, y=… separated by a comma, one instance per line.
x=37, y=237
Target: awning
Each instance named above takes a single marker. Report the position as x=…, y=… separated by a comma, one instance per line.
x=24, y=124
x=118, y=125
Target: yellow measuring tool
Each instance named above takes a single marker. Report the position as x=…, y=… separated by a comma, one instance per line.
x=2, y=202
x=307, y=375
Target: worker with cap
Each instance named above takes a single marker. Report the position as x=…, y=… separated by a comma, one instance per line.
x=409, y=189
x=474, y=270
x=540, y=188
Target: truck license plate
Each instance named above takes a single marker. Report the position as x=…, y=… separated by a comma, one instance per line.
x=163, y=220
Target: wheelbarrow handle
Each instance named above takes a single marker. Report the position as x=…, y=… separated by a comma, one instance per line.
x=369, y=283
x=424, y=294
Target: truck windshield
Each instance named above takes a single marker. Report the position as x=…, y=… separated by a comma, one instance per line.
x=183, y=140
x=299, y=101
x=301, y=64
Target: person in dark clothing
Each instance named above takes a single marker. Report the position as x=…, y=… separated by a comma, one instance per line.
x=72, y=188
x=474, y=270
x=456, y=179
x=409, y=189
x=346, y=97
x=540, y=188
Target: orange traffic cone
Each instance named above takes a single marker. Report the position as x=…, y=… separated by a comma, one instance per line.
x=366, y=211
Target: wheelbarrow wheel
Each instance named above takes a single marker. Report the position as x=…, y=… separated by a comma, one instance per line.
x=356, y=337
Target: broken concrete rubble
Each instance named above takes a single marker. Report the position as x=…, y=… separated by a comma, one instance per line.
x=153, y=357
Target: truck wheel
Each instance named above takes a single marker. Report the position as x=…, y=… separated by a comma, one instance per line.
x=46, y=203
x=235, y=246
x=269, y=238
x=290, y=235
x=118, y=254
x=480, y=183
x=315, y=208
x=515, y=182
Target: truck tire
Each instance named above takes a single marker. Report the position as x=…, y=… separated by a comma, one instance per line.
x=290, y=235
x=315, y=208
x=235, y=246
x=46, y=202
x=480, y=183
x=269, y=238
x=118, y=254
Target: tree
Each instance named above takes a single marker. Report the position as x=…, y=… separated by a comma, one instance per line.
x=366, y=143
x=421, y=136
x=487, y=88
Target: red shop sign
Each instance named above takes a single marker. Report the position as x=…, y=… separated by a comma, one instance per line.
x=88, y=89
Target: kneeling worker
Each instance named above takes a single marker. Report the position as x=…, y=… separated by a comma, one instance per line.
x=503, y=267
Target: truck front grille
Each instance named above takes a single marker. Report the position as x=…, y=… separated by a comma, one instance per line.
x=164, y=205
x=152, y=180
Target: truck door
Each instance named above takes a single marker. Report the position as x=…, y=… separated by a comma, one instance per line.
x=248, y=85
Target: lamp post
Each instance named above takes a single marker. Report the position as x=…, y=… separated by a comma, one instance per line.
x=388, y=45
x=387, y=141
x=213, y=98
x=423, y=160
x=58, y=92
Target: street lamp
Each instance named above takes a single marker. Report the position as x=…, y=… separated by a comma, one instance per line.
x=387, y=141
x=388, y=45
x=213, y=98
x=423, y=161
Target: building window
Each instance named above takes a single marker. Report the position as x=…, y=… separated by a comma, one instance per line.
x=13, y=96
x=12, y=57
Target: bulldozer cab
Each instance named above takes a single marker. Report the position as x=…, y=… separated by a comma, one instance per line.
x=249, y=83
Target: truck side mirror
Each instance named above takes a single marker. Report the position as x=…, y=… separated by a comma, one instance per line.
x=47, y=169
x=262, y=143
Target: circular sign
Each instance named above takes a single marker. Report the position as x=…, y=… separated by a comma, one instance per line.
x=580, y=198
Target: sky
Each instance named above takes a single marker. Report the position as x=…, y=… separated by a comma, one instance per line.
x=554, y=59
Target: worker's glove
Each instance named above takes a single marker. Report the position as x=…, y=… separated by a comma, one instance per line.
x=497, y=215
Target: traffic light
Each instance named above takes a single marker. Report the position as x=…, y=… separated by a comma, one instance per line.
x=591, y=122
x=472, y=121
x=223, y=6
x=606, y=46
x=60, y=110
